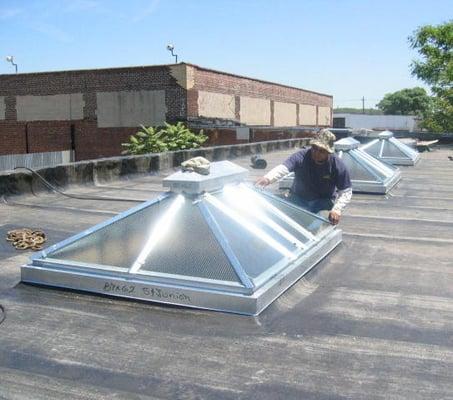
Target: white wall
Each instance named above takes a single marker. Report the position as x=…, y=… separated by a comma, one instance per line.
x=255, y=111
x=379, y=122
x=131, y=108
x=59, y=107
x=285, y=114
x=216, y=105
x=307, y=114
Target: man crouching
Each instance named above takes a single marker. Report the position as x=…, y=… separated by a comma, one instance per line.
x=321, y=179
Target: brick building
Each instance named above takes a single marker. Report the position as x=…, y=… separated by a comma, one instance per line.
x=93, y=111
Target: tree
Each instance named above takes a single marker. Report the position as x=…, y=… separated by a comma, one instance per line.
x=435, y=46
x=413, y=101
x=441, y=117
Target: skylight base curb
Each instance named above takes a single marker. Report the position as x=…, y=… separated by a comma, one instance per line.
x=219, y=300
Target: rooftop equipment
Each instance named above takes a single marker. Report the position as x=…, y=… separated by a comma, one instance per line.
x=368, y=175
x=210, y=242
x=390, y=150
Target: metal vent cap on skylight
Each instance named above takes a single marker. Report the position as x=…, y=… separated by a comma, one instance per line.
x=221, y=173
x=347, y=143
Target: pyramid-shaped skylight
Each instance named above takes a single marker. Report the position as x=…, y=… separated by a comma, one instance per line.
x=211, y=242
x=368, y=175
x=391, y=151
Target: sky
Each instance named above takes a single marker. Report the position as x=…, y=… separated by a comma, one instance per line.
x=346, y=48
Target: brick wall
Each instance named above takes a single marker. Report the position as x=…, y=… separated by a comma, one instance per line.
x=222, y=82
x=48, y=136
x=91, y=141
x=12, y=138
x=229, y=84
x=261, y=135
x=227, y=136
x=91, y=81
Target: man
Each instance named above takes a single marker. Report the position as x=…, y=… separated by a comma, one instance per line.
x=321, y=180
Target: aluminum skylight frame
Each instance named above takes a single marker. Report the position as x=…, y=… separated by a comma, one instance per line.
x=246, y=296
x=373, y=166
x=411, y=156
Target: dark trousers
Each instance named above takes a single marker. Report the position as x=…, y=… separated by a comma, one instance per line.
x=314, y=206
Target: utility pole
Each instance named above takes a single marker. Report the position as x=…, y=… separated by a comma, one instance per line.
x=363, y=105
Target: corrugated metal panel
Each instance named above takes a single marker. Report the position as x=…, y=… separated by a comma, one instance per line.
x=35, y=160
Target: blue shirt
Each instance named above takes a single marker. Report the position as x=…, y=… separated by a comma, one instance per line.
x=317, y=181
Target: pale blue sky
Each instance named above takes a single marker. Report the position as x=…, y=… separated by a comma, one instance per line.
x=346, y=48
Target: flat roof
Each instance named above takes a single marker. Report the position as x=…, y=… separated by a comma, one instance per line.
x=372, y=320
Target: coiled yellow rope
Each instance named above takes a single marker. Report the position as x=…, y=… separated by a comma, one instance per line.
x=25, y=238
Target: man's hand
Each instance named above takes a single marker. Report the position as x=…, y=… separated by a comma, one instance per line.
x=262, y=182
x=334, y=217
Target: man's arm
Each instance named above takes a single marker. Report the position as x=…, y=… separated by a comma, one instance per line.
x=344, y=194
x=281, y=170
x=273, y=175
x=344, y=197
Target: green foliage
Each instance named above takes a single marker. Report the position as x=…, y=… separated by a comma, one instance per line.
x=441, y=117
x=413, y=101
x=435, y=46
x=166, y=138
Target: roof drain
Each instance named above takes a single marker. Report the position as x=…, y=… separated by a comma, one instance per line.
x=212, y=242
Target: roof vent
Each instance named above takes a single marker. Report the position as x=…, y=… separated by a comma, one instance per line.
x=212, y=242
x=221, y=174
x=385, y=135
x=348, y=143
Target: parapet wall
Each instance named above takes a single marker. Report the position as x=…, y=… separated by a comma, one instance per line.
x=108, y=169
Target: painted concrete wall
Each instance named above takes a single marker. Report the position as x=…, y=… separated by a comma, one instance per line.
x=2, y=107
x=216, y=105
x=131, y=108
x=285, y=114
x=307, y=114
x=324, y=114
x=379, y=122
x=59, y=107
x=184, y=75
x=254, y=111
